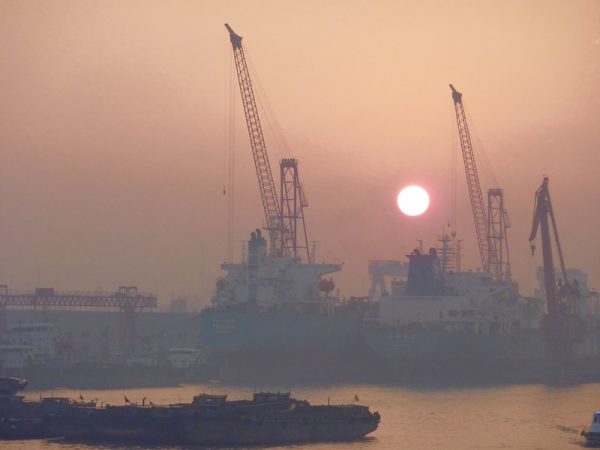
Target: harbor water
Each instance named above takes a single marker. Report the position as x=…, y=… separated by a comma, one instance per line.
x=506, y=417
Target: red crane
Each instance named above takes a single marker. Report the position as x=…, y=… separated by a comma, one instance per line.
x=487, y=249
x=561, y=324
x=266, y=184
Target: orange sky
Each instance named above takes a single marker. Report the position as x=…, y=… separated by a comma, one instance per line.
x=113, y=123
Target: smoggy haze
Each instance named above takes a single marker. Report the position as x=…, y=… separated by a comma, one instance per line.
x=113, y=122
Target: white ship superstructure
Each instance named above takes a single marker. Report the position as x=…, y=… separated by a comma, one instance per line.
x=464, y=301
x=456, y=301
x=274, y=282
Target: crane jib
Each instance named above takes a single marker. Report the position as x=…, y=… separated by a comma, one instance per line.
x=486, y=251
x=277, y=234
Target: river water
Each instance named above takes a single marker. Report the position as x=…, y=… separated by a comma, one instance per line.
x=508, y=417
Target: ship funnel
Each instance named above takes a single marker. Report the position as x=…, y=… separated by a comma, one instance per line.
x=257, y=248
x=424, y=274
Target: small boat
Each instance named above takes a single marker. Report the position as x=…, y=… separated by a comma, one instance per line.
x=592, y=436
x=19, y=418
x=11, y=385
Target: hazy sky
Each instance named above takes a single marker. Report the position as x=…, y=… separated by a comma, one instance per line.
x=112, y=140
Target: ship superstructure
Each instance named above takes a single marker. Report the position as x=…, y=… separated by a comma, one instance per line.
x=274, y=283
x=277, y=304
x=453, y=315
x=455, y=301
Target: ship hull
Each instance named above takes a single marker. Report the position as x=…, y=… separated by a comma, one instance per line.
x=220, y=432
x=225, y=331
x=259, y=432
x=277, y=347
x=438, y=357
x=419, y=344
x=253, y=424
x=592, y=439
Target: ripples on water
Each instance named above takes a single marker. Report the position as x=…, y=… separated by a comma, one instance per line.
x=514, y=417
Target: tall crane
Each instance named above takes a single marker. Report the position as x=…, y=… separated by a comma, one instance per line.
x=285, y=219
x=266, y=184
x=487, y=249
x=561, y=324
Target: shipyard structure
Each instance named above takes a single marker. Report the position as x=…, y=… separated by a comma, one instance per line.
x=275, y=316
x=97, y=339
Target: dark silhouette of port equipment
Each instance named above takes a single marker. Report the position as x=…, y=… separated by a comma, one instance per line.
x=285, y=218
x=562, y=325
x=490, y=228
x=126, y=299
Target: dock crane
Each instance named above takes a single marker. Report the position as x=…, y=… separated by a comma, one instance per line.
x=281, y=217
x=562, y=325
x=490, y=227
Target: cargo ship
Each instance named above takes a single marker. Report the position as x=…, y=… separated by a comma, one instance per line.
x=436, y=327
x=274, y=313
x=280, y=311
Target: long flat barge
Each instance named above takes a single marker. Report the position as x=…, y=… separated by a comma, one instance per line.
x=268, y=418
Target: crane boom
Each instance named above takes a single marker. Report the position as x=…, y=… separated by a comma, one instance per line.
x=257, y=141
x=543, y=211
x=562, y=325
x=486, y=251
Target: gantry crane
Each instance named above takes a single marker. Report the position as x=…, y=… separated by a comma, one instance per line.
x=561, y=324
x=281, y=217
x=490, y=228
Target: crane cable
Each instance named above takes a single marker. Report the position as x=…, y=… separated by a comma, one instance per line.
x=281, y=147
x=229, y=155
x=483, y=162
x=453, y=170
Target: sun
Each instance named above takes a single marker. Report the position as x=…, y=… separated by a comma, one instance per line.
x=413, y=200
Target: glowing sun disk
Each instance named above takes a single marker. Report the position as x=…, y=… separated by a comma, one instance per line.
x=413, y=200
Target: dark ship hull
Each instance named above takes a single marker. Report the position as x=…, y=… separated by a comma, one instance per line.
x=250, y=431
x=267, y=432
